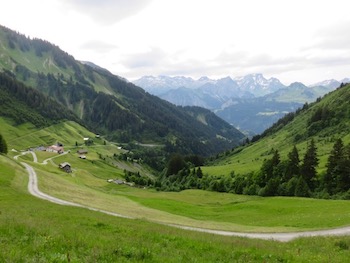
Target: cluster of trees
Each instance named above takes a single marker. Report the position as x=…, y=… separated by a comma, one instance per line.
x=137, y=179
x=337, y=178
x=290, y=177
x=3, y=145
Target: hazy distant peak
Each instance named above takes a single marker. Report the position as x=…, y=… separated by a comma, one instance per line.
x=204, y=78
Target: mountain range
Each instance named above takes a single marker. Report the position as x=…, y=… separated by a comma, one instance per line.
x=251, y=103
x=103, y=102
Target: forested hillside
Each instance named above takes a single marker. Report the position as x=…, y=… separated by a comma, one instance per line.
x=24, y=104
x=306, y=153
x=107, y=103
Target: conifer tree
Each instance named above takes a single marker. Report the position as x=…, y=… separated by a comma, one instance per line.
x=310, y=162
x=3, y=145
x=293, y=164
x=334, y=167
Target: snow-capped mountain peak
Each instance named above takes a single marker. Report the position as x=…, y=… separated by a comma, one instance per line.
x=258, y=84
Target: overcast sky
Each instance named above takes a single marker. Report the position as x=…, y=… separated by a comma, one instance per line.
x=293, y=40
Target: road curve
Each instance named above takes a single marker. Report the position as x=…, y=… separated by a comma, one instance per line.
x=282, y=237
x=34, y=190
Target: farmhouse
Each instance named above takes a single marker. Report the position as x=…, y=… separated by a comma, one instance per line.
x=65, y=167
x=82, y=151
x=55, y=149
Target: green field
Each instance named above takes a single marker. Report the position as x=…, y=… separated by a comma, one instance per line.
x=33, y=230
x=88, y=185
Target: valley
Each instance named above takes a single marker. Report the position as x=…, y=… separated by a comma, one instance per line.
x=88, y=186
x=95, y=169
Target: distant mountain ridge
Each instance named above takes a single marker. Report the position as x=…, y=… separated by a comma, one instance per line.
x=253, y=84
x=252, y=103
x=331, y=83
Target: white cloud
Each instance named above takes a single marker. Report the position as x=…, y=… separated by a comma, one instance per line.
x=108, y=11
x=294, y=40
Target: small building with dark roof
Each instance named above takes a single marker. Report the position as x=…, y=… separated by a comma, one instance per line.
x=65, y=167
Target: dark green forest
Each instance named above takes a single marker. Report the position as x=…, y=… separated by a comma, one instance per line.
x=24, y=104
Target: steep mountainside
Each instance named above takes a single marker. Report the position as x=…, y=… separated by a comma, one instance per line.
x=325, y=121
x=25, y=104
x=107, y=103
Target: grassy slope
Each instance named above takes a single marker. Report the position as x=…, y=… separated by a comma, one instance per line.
x=26, y=135
x=250, y=158
x=88, y=185
x=44, y=64
x=29, y=233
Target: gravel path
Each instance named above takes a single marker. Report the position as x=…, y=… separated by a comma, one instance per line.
x=282, y=237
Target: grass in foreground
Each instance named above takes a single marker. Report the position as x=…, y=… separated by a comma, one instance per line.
x=33, y=230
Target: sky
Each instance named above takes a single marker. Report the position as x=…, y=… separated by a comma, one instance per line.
x=292, y=40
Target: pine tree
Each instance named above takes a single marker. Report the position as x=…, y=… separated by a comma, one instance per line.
x=302, y=188
x=344, y=179
x=334, y=167
x=199, y=172
x=267, y=169
x=3, y=145
x=310, y=162
x=293, y=164
x=176, y=163
x=343, y=171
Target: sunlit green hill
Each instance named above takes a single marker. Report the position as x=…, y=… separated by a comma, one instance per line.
x=325, y=121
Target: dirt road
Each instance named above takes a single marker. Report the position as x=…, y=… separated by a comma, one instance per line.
x=282, y=237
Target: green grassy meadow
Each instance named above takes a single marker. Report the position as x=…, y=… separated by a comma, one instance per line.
x=88, y=185
x=34, y=230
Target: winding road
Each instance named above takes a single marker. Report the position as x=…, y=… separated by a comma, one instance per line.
x=282, y=237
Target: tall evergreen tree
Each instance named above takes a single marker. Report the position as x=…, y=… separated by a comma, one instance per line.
x=310, y=162
x=345, y=177
x=176, y=163
x=3, y=145
x=267, y=169
x=335, y=162
x=293, y=164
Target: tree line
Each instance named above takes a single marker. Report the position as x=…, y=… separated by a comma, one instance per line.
x=291, y=177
